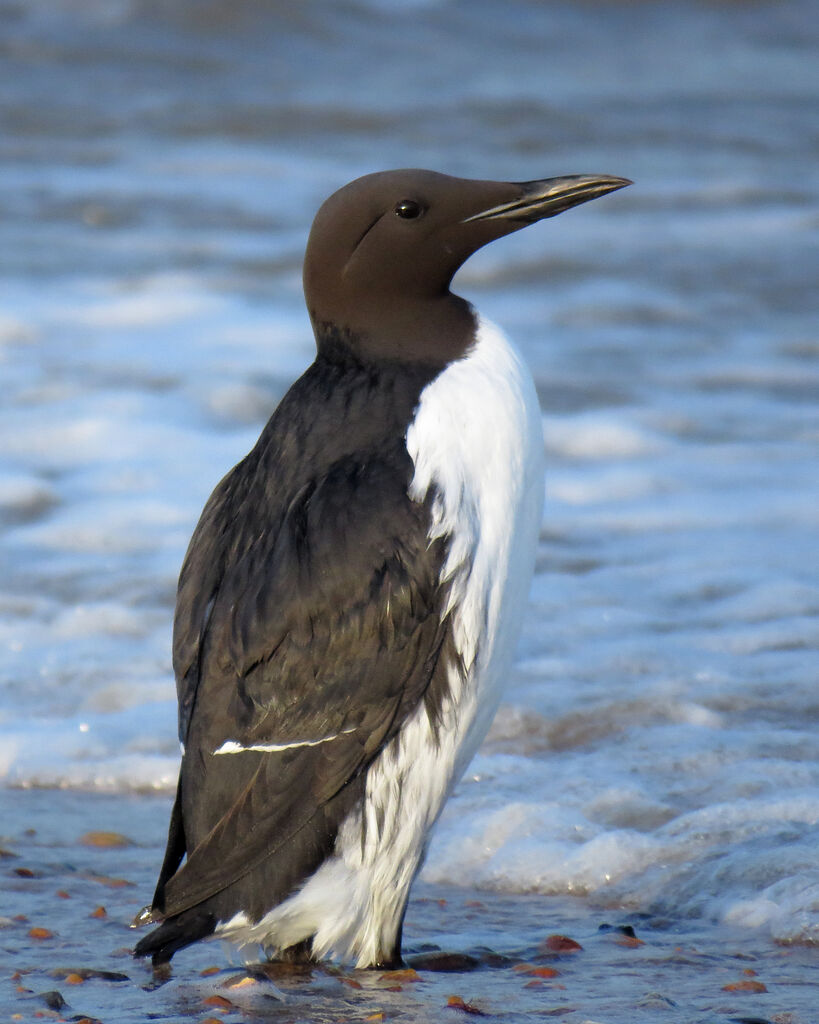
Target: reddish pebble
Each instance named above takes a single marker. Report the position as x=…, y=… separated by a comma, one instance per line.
x=406, y=974
x=350, y=982
x=63, y=895
x=40, y=933
x=533, y=969
x=99, y=912
x=74, y=979
x=20, y=917
x=105, y=839
x=220, y=1001
x=234, y=982
x=24, y=872
x=744, y=986
x=560, y=944
x=209, y=970
x=212, y=1020
x=629, y=941
x=456, y=1003
x=112, y=883
x=749, y=972
x=534, y=983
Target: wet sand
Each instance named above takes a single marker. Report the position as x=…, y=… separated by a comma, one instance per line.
x=75, y=868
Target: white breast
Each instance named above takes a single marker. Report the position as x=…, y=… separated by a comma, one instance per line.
x=476, y=439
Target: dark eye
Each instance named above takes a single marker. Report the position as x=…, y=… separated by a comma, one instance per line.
x=408, y=209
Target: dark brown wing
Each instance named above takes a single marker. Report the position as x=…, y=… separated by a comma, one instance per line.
x=321, y=639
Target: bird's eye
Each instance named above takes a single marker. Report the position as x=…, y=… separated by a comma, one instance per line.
x=408, y=209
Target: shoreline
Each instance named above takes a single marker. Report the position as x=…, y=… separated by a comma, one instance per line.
x=76, y=867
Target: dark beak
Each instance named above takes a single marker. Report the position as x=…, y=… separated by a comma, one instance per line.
x=547, y=198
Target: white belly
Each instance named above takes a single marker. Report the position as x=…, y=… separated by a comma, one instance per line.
x=477, y=439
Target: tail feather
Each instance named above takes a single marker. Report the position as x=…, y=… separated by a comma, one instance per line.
x=176, y=933
x=174, y=851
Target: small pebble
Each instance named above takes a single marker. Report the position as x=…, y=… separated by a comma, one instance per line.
x=53, y=1000
x=407, y=974
x=219, y=1001
x=105, y=839
x=111, y=883
x=89, y=972
x=656, y=1001
x=456, y=1003
x=239, y=982
x=559, y=944
x=444, y=962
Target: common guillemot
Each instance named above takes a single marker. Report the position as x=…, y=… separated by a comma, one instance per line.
x=350, y=599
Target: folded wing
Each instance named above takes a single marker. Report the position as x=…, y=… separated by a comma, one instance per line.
x=308, y=630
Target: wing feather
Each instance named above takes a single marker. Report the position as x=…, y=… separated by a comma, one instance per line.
x=329, y=625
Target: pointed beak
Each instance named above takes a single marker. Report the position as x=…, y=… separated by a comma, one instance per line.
x=540, y=199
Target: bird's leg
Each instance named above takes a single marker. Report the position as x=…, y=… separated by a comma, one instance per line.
x=299, y=953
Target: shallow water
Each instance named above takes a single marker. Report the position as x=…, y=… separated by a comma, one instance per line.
x=657, y=753
x=618, y=966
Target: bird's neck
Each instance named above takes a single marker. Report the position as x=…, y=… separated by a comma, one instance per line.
x=434, y=332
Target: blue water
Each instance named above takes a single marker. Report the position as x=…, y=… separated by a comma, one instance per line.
x=160, y=168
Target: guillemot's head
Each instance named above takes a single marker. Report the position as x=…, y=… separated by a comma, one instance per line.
x=383, y=250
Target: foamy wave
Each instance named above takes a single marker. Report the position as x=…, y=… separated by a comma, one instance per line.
x=788, y=910
x=94, y=751
x=609, y=484
x=14, y=331
x=148, y=302
x=597, y=437
x=126, y=527
x=24, y=495
x=621, y=844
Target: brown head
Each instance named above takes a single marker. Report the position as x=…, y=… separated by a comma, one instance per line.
x=383, y=250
